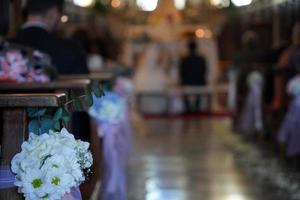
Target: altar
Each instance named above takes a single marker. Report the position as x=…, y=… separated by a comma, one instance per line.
x=155, y=48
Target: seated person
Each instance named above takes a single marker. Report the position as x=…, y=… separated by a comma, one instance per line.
x=37, y=32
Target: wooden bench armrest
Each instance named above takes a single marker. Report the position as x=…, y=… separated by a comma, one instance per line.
x=32, y=100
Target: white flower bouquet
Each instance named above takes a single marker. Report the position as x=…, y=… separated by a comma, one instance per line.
x=51, y=164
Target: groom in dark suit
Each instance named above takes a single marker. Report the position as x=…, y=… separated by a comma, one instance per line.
x=37, y=32
x=192, y=72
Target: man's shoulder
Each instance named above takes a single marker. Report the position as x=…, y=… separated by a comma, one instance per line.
x=33, y=36
x=32, y=31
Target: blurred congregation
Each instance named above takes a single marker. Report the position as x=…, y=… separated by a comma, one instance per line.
x=178, y=99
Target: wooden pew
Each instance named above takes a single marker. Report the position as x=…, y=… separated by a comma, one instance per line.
x=14, y=121
x=101, y=76
x=66, y=86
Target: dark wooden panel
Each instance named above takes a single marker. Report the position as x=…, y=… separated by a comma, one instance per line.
x=32, y=100
x=13, y=133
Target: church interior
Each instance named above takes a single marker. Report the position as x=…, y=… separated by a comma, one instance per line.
x=149, y=99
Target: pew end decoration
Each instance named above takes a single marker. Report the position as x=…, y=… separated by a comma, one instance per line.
x=288, y=134
x=108, y=109
x=251, y=116
x=111, y=114
x=50, y=165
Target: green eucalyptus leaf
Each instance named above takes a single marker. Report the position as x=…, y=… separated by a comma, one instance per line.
x=33, y=127
x=58, y=114
x=77, y=104
x=98, y=91
x=88, y=98
x=56, y=125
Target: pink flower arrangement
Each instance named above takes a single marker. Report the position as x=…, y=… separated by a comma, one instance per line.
x=18, y=65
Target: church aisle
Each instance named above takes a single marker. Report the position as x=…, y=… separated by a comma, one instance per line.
x=182, y=159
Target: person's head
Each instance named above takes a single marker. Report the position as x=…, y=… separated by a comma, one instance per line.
x=192, y=46
x=49, y=11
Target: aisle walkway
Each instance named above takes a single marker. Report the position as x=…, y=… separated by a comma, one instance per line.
x=190, y=160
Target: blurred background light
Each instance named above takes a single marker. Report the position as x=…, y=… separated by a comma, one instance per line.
x=235, y=197
x=215, y=2
x=83, y=3
x=241, y=2
x=147, y=5
x=200, y=33
x=180, y=4
x=115, y=3
x=220, y=3
x=64, y=19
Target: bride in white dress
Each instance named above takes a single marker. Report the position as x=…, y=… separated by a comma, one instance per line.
x=150, y=75
x=151, y=78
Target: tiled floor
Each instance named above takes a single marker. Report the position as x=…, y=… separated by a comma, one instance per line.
x=189, y=160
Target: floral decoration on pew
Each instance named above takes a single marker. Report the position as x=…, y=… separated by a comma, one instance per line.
x=251, y=119
x=21, y=64
x=50, y=165
x=109, y=108
x=110, y=114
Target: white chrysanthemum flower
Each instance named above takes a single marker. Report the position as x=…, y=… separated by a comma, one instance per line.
x=57, y=183
x=33, y=183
